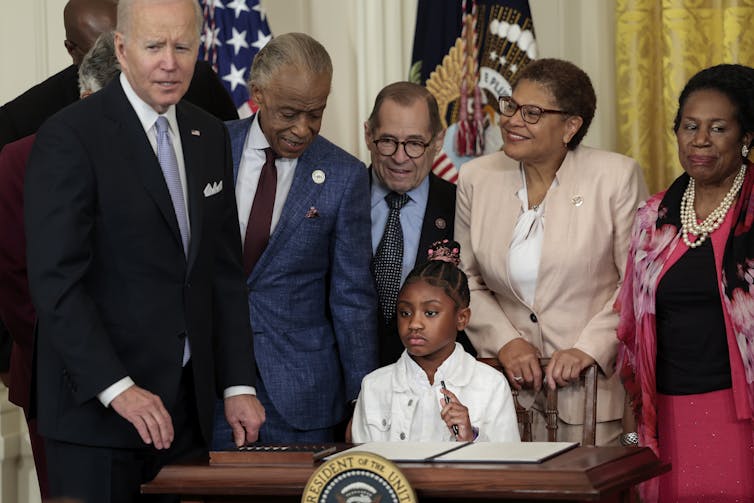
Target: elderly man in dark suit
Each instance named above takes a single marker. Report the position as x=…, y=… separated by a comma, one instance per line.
x=411, y=206
x=84, y=21
x=304, y=216
x=134, y=268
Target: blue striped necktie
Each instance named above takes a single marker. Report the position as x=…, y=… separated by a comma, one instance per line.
x=169, y=165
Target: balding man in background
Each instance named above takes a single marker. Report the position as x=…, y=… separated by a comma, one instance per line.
x=99, y=66
x=84, y=21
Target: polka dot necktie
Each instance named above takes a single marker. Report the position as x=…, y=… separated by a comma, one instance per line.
x=388, y=260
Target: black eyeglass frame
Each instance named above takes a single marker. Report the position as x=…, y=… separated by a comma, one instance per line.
x=502, y=100
x=396, y=143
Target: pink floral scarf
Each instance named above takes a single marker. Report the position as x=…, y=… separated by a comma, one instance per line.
x=655, y=234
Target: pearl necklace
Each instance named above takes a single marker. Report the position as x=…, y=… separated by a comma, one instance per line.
x=689, y=224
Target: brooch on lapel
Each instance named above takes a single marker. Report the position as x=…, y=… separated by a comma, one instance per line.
x=196, y=132
x=318, y=176
x=312, y=213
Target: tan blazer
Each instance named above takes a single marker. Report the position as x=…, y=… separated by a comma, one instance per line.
x=587, y=220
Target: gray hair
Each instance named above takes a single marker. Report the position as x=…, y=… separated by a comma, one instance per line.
x=406, y=94
x=124, y=15
x=290, y=49
x=100, y=65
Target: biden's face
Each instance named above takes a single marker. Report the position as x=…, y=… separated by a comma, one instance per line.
x=157, y=53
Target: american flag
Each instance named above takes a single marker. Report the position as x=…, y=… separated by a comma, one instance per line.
x=233, y=33
x=502, y=42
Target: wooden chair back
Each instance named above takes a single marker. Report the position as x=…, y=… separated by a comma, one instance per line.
x=525, y=417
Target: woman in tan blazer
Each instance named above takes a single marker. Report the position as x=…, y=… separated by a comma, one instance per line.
x=544, y=228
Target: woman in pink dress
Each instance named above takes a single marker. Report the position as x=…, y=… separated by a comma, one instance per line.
x=687, y=304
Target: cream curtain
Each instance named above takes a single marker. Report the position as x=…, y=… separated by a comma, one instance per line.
x=659, y=46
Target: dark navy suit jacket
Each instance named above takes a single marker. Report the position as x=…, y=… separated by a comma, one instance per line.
x=114, y=293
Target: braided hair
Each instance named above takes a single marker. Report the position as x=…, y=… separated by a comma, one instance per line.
x=441, y=270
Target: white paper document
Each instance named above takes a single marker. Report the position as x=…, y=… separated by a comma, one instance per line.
x=504, y=452
x=419, y=452
x=460, y=452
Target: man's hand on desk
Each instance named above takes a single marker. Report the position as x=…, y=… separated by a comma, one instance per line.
x=146, y=412
x=245, y=416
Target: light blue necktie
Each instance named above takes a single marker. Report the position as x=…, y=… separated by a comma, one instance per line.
x=169, y=165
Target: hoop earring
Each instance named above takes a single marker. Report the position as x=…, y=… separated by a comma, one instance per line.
x=744, y=151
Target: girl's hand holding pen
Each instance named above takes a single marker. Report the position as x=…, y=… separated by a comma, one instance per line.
x=456, y=416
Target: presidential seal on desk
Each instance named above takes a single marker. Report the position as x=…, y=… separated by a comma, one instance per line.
x=358, y=477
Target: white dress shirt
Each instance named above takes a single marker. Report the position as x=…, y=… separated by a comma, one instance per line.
x=249, y=170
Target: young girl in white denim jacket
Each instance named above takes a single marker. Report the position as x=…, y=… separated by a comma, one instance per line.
x=435, y=391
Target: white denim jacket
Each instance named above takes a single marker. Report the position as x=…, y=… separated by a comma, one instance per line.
x=395, y=404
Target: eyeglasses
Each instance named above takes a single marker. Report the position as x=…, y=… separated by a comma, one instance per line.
x=529, y=113
x=412, y=148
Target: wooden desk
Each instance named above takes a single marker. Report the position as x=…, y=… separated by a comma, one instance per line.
x=581, y=474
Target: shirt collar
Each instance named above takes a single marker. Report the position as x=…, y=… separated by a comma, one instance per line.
x=379, y=190
x=147, y=115
x=409, y=374
x=257, y=139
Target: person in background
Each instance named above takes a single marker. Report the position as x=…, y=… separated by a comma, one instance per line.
x=303, y=208
x=411, y=206
x=84, y=21
x=543, y=227
x=435, y=391
x=686, y=314
x=134, y=269
x=98, y=67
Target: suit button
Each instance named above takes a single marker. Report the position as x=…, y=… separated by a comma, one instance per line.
x=384, y=422
x=533, y=317
x=410, y=402
x=403, y=436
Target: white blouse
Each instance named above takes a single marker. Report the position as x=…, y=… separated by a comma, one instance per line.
x=526, y=244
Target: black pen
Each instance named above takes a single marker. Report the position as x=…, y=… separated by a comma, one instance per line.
x=447, y=400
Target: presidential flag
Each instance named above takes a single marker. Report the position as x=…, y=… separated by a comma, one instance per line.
x=467, y=53
x=233, y=33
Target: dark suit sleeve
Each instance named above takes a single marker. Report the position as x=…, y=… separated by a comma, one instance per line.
x=7, y=132
x=60, y=213
x=24, y=115
x=353, y=301
x=235, y=352
x=208, y=93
